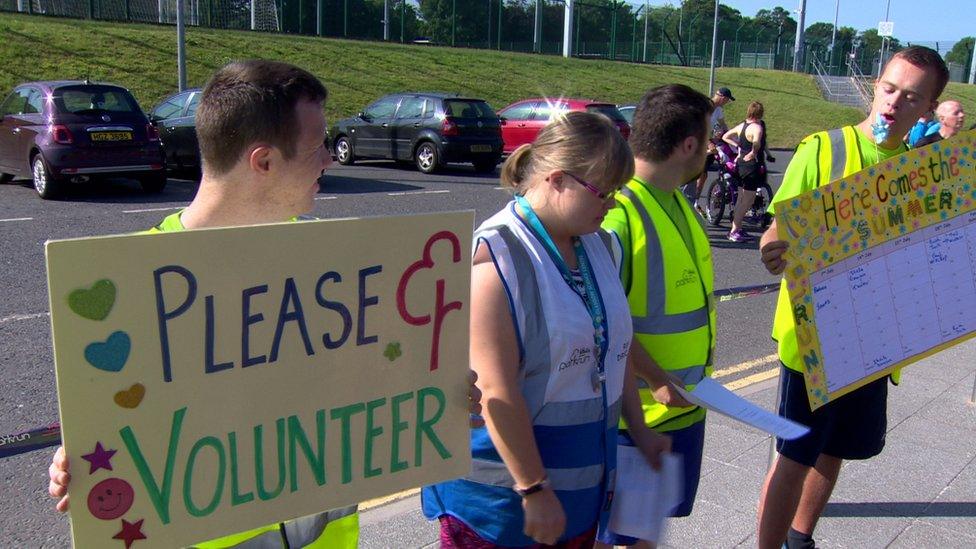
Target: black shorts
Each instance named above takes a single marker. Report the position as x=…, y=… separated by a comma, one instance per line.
x=751, y=176
x=851, y=427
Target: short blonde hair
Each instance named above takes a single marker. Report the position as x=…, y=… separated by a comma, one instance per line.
x=755, y=110
x=583, y=143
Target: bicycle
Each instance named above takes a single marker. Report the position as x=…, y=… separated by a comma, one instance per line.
x=724, y=191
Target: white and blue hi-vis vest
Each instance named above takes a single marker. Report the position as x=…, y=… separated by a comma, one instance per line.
x=575, y=425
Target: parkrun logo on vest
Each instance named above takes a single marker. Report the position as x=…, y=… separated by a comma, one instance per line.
x=579, y=357
x=687, y=277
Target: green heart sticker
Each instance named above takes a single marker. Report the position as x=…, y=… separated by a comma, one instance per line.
x=94, y=303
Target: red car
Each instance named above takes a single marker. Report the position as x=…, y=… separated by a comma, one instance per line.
x=522, y=120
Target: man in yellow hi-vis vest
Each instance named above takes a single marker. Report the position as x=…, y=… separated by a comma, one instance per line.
x=666, y=270
x=261, y=131
x=802, y=478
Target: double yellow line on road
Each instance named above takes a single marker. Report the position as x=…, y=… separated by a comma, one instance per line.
x=724, y=372
x=748, y=365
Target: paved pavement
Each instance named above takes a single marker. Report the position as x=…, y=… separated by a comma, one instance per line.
x=920, y=492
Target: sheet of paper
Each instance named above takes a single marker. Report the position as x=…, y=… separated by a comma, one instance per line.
x=644, y=497
x=712, y=395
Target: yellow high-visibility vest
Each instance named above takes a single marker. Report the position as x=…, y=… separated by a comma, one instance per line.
x=838, y=155
x=670, y=299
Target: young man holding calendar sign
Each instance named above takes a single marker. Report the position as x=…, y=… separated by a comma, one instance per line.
x=800, y=482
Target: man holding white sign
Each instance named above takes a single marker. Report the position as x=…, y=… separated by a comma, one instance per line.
x=260, y=127
x=802, y=478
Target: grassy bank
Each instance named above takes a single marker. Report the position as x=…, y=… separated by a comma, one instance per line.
x=143, y=58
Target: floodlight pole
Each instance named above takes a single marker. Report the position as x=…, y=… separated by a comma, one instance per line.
x=180, y=47
x=711, y=72
x=386, y=20
x=537, y=32
x=647, y=15
x=254, y=14
x=884, y=40
x=568, y=28
x=798, y=47
x=833, y=36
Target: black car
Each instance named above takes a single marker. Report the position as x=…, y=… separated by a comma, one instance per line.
x=430, y=129
x=174, y=118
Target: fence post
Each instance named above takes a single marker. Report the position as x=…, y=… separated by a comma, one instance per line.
x=722, y=62
x=91, y=8
x=127, y=12
x=972, y=78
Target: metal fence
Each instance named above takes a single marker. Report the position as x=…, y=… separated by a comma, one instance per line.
x=474, y=24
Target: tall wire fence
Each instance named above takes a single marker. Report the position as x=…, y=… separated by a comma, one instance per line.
x=614, y=30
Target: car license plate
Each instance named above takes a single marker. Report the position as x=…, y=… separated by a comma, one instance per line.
x=481, y=148
x=111, y=136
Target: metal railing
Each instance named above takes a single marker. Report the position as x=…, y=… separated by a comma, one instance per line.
x=861, y=83
x=838, y=89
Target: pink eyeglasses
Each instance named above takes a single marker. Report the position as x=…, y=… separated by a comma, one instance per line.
x=605, y=196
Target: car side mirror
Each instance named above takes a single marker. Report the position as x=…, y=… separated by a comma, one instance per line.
x=364, y=116
x=502, y=121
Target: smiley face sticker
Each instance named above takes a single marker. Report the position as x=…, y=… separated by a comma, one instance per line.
x=110, y=498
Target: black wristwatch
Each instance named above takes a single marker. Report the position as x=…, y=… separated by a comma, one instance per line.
x=537, y=487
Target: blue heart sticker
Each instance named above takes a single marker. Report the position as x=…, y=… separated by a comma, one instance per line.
x=111, y=355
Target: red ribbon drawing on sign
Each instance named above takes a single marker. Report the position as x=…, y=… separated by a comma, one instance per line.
x=440, y=308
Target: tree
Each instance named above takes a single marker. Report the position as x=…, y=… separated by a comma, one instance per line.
x=962, y=53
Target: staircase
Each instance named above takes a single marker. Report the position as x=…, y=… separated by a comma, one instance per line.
x=843, y=90
x=853, y=91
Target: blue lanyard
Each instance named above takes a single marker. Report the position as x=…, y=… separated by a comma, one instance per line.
x=594, y=305
x=592, y=300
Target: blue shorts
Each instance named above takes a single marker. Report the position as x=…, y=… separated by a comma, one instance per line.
x=689, y=443
x=851, y=427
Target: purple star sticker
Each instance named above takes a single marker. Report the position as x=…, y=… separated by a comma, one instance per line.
x=100, y=458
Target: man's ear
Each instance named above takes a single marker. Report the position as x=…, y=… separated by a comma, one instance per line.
x=690, y=145
x=259, y=158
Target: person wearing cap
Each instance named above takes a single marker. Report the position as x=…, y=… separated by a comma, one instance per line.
x=717, y=128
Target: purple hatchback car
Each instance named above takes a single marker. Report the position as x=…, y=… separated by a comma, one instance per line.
x=59, y=133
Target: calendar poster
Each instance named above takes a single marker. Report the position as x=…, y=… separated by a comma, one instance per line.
x=881, y=268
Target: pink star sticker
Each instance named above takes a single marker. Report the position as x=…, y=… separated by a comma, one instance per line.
x=100, y=458
x=131, y=531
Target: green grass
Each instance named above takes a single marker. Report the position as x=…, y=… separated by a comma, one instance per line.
x=143, y=58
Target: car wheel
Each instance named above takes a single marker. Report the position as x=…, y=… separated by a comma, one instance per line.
x=45, y=183
x=486, y=165
x=153, y=183
x=425, y=157
x=5, y=177
x=343, y=150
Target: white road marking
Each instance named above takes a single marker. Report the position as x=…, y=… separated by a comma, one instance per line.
x=153, y=209
x=14, y=318
x=326, y=197
x=418, y=192
x=18, y=219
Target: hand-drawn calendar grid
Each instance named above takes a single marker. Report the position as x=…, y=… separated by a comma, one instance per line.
x=879, y=268
x=897, y=300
